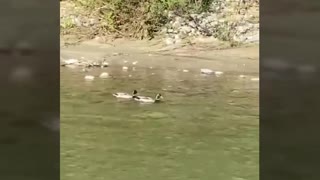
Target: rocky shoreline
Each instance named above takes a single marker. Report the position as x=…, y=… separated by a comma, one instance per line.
x=231, y=21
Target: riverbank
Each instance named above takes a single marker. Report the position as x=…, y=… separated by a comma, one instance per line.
x=146, y=54
x=175, y=23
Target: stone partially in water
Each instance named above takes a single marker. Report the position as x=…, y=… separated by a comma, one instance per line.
x=206, y=71
x=71, y=61
x=218, y=73
x=104, y=75
x=89, y=77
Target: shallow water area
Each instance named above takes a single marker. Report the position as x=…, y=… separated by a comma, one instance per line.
x=206, y=127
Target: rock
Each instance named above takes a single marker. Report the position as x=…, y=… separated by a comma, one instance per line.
x=169, y=41
x=89, y=77
x=254, y=79
x=104, y=75
x=135, y=62
x=71, y=61
x=242, y=76
x=185, y=29
x=192, y=24
x=218, y=73
x=206, y=71
x=104, y=64
x=185, y=70
x=125, y=68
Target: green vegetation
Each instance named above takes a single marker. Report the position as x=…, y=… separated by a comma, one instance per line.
x=138, y=18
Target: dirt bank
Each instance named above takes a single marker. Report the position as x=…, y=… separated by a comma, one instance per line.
x=152, y=53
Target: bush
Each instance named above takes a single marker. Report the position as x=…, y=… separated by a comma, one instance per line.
x=138, y=18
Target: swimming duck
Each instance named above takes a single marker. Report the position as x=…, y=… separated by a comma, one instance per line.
x=125, y=95
x=145, y=99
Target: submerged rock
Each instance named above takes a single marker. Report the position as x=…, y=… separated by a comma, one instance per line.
x=218, y=73
x=104, y=75
x=89, y=77
x=206, y=71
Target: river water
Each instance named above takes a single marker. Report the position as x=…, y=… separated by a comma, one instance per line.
x=206, y=128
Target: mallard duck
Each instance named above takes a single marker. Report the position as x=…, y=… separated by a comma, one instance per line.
x=126, y=95
x=145, y=99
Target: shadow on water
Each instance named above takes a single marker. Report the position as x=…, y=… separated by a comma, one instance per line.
x=206, y=127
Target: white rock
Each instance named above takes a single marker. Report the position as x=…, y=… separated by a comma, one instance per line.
x=104, y=64
x=206, y=71
x=242, y=76
x=254, y=79
x=135, y=62
x=185, y=70
x=89, y=77
x=104, y=75
x=71, y=61
x=218, y=73
x=125, y=68
x=169, y=41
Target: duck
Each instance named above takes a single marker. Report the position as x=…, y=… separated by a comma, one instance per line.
x=145, y=99
x=126, y=95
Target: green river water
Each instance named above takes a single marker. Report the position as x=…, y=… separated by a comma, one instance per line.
x=206, y=128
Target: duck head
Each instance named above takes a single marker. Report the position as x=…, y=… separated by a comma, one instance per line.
x=158, y=97
x=134, y=93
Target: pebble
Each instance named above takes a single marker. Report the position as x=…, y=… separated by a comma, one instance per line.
x=89, y=77
x=218, y=73
x=254, y=79
x=125, y=68
x=135, y=62
x=185, y=70
x=242, y=76
x=104, y=64
x=71, y=61
x=104, y=75
x=206, y=71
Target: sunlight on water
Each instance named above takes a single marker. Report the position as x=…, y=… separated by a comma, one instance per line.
x=205, y=128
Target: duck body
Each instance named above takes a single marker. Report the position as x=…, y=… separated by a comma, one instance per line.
x=145, y=99
x=125, y=95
